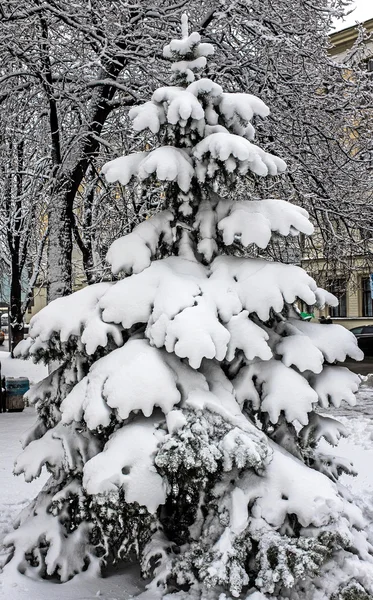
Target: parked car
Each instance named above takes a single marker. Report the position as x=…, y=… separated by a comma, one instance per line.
x=2, y=337
x=364, y=336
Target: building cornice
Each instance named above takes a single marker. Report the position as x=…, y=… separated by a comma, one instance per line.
x=345, y=39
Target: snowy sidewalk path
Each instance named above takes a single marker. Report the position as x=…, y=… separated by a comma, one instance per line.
x=15, y=493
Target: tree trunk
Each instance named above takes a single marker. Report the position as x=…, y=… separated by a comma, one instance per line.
x=59, y=244
x=60, y=214
x=16, y=316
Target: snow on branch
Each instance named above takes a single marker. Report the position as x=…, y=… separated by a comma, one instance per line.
x=245, y=335
x=334, y=385
x=167, y=163
x=244, y=106
x=188, y=308
x=64, y=552
x=188, y=45
x=206, y=88
x=262, y=285
x=196, y=333
x=323, y=297
x=132, y=253
x=282, y=390
x=277, y=494
x=182, y=104
x=334, y=341
x=77, y=316
x=236, y=153
x=205, y=224
x=149, y=115
x=135, y=377
x=63, y=448
x=320, y=427
x=127, y=462
x=254, y=221
x=300, y=351
x=162, y=290
x=188, y=55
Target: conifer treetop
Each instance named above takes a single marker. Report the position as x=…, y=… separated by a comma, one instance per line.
x=205, y=142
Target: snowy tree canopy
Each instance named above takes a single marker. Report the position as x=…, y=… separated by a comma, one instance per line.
x=181, y=427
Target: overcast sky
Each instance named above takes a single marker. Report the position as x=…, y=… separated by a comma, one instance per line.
x=363, y=11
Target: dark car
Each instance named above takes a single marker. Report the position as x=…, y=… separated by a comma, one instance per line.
x=364, y=336
x=2, y=337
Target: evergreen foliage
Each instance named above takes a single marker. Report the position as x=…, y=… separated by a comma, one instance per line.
x=180, y=428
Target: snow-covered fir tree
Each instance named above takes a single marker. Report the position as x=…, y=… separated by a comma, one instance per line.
x=180, y=428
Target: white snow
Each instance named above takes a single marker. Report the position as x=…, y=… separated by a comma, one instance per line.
x=237, y=152
x=124, y=583
x=132, y=378
x=336, y=343
x=247, y=336
x=149, y=115
x=283, y=389
x=299, y=350
x=122, y=169
x=186, y=45
x=319, y=427
x=254, y=221
x=335, y=384
x=132, y=253
x=188, y=67
x=76, y=315
x=167, y=163
x=127, y=461
x=182, y=104
x=289, y=487
x=249, y=279
x=183, y=307
x=205, y=86
x=63, y=447
x=324, y=297
x=13, y=367
x=243, y=106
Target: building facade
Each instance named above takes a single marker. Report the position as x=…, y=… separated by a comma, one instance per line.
x=354, y=295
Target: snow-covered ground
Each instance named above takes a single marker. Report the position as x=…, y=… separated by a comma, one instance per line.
x=124, y=583
x=12, y=367
x=14, y=496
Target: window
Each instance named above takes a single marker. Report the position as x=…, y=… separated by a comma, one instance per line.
x=357, y=330
x=338, y=288
x=367, y=298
